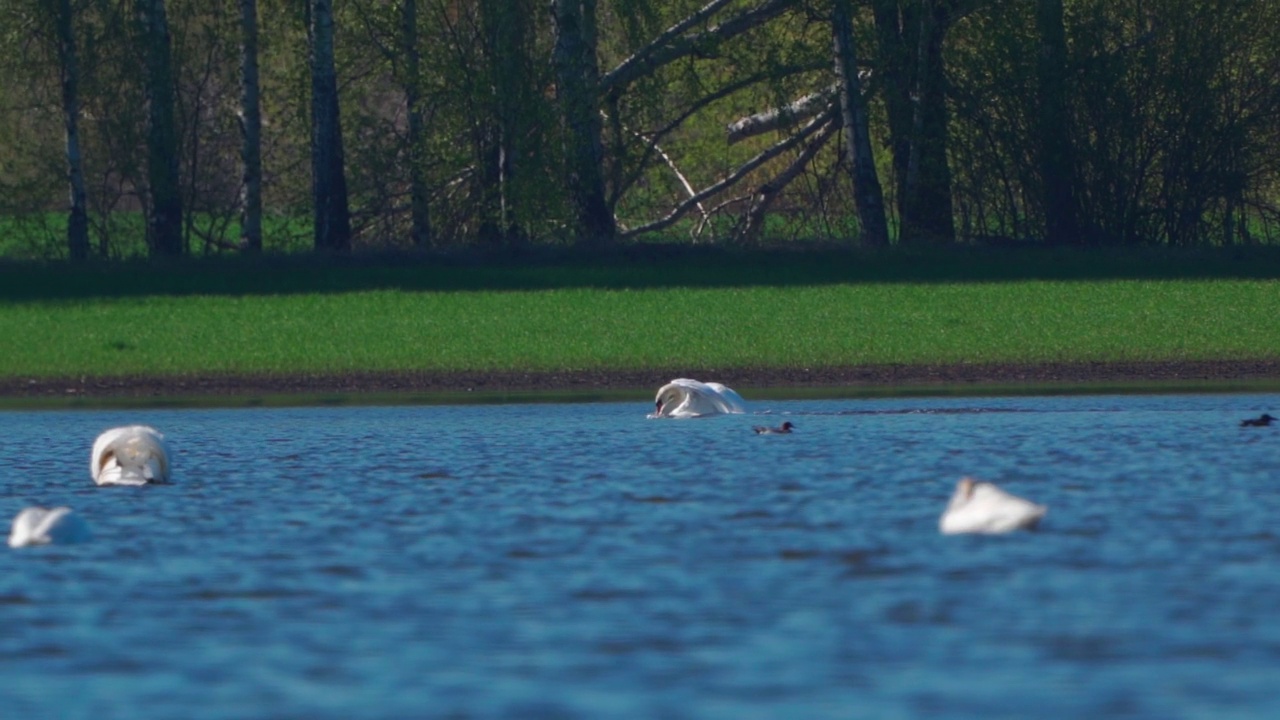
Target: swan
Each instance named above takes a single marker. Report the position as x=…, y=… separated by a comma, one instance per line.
x=783, y=429
x=41, y=526
x=981, y=507
x=1262, y=420
x=683, y=398
x=131, y=455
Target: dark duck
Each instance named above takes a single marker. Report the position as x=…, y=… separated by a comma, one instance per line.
x=783, y=429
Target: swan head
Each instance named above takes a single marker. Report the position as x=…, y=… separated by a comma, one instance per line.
x=669, y=395
x=964, y=488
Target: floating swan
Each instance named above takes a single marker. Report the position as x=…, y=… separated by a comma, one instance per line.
x=40, y=526
x=684, y=398
x=1262, y=420
x=783, y=429
x=132, y=455
x=981, y=507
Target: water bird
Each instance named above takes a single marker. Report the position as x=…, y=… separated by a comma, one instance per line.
x=130, y=455
x=783, y=429
x=684, y=398
x=1262, y=420
x=41, y=526
x=981, y=507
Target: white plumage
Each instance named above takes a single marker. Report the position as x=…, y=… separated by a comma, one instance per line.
x=41, y=526
x=981, y=507
x=684, y=398
x=132, y=455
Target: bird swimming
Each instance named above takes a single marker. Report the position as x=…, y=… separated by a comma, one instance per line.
x=130, y=455
x=42, y=526
x=685, y=398
x=783, y=429
x=1262, y=420
x=981, y=507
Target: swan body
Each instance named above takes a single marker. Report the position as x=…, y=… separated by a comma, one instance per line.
x=41, y=526
x=981, y=507
x=132, y=455
x=783, y=429
x=684, y=398
x=1262, y=420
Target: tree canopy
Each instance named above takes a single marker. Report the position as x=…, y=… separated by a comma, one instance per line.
x=176, y=127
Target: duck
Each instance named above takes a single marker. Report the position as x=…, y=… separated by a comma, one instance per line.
x=42, y=526
x=1262, y=420
x=685, y=398
x=130, y=455
x=783, y=429
x=982, y=507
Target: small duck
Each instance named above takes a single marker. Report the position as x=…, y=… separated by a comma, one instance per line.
x=981, y=507
x=783, y=429
x=1262, y=420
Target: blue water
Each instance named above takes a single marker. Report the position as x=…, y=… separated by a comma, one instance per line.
x=580, y=561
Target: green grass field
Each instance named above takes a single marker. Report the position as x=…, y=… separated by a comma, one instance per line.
x=687, y=309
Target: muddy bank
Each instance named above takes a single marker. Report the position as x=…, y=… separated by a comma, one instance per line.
x=870, y=377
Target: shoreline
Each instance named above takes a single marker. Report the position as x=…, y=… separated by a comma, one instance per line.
x=498, y=386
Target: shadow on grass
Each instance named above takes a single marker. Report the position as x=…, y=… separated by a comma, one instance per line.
x=624, y=267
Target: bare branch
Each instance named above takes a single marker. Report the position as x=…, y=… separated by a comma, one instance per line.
x=652, y=138
x=734, y=177
x=671, y=45
x=770, y=190
x=785, y=116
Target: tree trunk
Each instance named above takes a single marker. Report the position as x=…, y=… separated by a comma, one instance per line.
x=853, y=111
x=577, y=90
x=897, y=30
x=1056, y=154
x=328, y=178
x=419, y=213
x=77, y=218
x=164, y=216
x=505, y=27
x=927, y=213
x=251, y=129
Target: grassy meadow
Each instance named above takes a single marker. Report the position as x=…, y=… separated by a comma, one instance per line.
x=637, y=310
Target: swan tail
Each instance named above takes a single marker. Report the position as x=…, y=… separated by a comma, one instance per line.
x=143, y=457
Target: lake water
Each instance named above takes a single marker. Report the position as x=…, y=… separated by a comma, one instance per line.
x=581, y=561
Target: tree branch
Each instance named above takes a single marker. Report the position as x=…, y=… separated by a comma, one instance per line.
x=770, y=190
x=734, y=177
x=671, y=45
x=785, y=116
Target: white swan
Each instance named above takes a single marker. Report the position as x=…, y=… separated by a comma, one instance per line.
x=40, y=526
x=684, y=398
x=132, y=455
x=981, y=507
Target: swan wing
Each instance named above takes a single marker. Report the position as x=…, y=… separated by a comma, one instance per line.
x=132, y=455
x=63, y=526
x=988, y=509
x=26, y=526
x=685, y=397
x=730, y=401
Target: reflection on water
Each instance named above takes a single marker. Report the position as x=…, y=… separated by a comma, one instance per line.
x=582, y=561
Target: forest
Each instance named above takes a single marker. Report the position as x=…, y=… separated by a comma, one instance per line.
x=172, y=128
